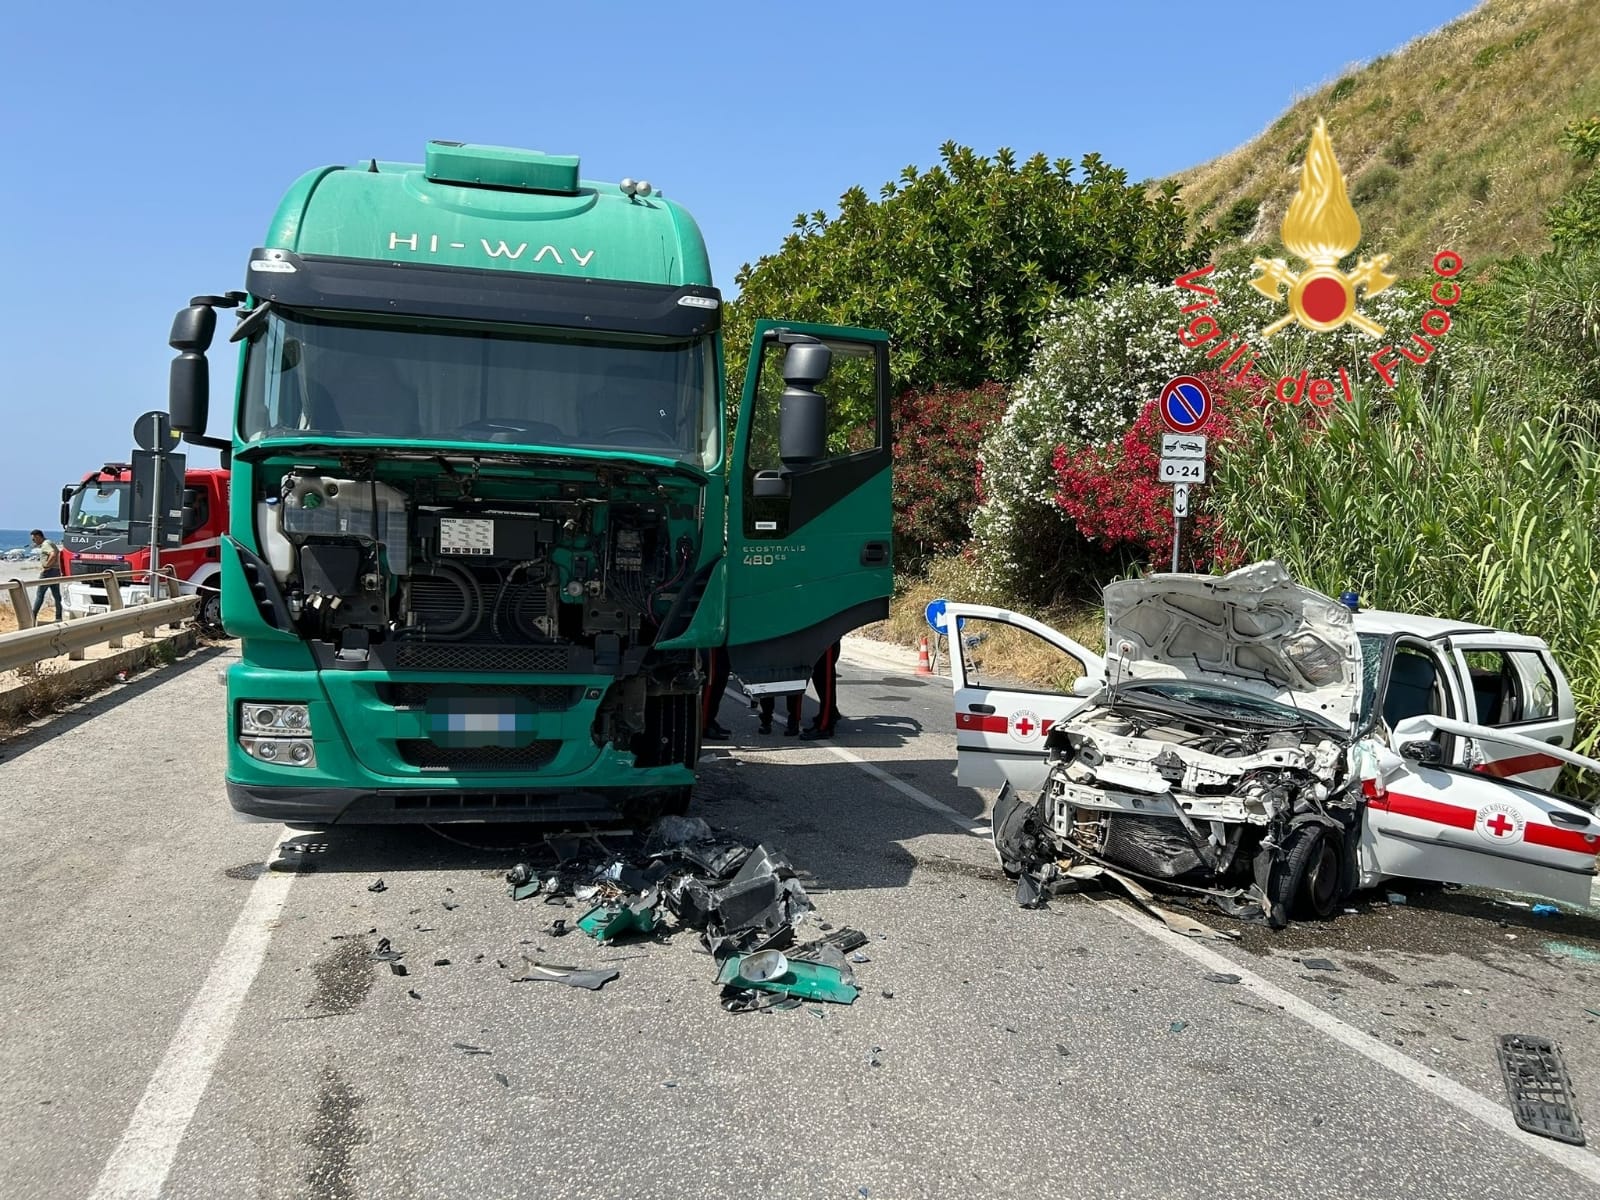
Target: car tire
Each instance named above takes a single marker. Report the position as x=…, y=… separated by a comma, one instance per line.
x=1310, y=881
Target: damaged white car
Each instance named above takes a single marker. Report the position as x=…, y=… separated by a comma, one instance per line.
x=1254, y=741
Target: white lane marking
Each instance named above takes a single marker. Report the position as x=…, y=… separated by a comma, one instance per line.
x=1458, y=1096
x=975, y=827
x=138, y=1166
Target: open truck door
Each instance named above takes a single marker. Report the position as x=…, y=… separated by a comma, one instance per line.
x=1434, y=819
x=1001, y=721
x=809, y=502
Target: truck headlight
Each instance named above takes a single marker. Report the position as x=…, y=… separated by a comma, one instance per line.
x=277, y=733
x=281, y=751
x=274, y=719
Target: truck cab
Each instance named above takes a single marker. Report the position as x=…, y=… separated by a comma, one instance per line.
x=95, y=517
x=490, y=516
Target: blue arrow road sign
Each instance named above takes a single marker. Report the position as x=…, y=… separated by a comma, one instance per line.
x=936, y=618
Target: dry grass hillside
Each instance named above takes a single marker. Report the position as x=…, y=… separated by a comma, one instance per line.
x=1451, y=140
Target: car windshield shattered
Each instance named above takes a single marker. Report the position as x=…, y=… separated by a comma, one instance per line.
x=1216, y=701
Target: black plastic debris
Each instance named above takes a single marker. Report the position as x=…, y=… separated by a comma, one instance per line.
x=469, y=1048
x=377, y=885
x=414, y=994
x=681, y=875
x=398, y=968
x=441, y=962
x=1539, y=1087
x=387, y=953
x=1221, y=977
x=1319, y=964
x=591, y=980
x=500, y=1078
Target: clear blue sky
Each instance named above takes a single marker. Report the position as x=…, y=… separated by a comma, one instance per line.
x=146, y=145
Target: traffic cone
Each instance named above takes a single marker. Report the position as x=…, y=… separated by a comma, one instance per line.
x=922, y=658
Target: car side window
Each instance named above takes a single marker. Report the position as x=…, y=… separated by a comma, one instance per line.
x=1010, y=658
x=1510, y=687
x=1416, y=686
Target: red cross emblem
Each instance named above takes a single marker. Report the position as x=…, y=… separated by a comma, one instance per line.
x=1500, y=825
x=1025, y=727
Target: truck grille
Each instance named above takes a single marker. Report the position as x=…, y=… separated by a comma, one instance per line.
x=419, y=752
x=546, y=697
x=451, y=656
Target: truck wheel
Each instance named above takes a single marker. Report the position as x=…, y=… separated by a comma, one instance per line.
x=211, y=609
x=1309, y=883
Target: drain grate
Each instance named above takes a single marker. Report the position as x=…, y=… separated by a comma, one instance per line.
x=1540, y=1090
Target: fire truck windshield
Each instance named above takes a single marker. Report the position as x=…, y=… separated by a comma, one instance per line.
x=100, y=506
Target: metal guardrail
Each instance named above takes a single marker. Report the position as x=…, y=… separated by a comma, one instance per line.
x=32, y=643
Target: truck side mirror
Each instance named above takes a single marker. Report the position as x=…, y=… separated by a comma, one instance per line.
x=189, y=384
x=802, y=410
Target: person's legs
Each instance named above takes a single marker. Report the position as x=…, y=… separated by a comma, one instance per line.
x=825, y=677
x=711, y=698
x=796, y=704
x=765, y=704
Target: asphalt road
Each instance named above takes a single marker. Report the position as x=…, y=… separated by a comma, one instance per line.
x=186, y=1022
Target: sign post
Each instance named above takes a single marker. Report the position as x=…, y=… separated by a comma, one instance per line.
x=1185, y=408
x=152, y=433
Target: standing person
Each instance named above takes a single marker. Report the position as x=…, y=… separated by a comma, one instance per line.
x=794, y=700
x=50, y=568
x=711, y=698
x=825, y=678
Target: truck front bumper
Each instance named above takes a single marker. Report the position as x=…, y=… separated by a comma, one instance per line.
x=316, y=807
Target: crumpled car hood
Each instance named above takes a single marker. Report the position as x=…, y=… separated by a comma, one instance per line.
x=1254, y=630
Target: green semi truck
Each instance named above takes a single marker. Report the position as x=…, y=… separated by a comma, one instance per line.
x=486, y=522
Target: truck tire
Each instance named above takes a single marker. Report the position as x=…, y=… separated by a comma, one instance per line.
x=1310, y=882
x=211, y=610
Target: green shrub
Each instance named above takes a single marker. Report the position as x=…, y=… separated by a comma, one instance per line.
x=1343, y=90
x=1374, y=184
x=1240, y=218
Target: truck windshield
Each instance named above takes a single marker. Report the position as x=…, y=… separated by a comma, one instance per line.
x=472, y=383
x=99, y=506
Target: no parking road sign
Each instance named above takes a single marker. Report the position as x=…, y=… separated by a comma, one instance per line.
x=1185, y=404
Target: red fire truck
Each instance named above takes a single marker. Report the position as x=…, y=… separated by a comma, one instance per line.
x=95, y=515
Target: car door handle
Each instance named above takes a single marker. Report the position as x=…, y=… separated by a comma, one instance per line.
x=1574, y=819
x=874, y=554
x=980, y=708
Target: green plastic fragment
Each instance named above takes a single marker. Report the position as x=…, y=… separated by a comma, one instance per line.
x=808, y=980
x=608, y=921
x=523, y=891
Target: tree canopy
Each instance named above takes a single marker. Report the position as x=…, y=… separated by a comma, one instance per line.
x=960, y=263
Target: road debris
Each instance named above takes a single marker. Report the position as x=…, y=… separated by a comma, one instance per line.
x=1221, y=977
x=1319, y=964
x=1545, y=910
x=469, y=1048
x=1539, y=1087
x=577, y=977
x=745, y=902
x=377, y=885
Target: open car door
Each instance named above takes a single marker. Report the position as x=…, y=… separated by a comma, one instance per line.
x=809, y=508
x=1516, y=686
x=1435, y=820
x=1001, y=720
